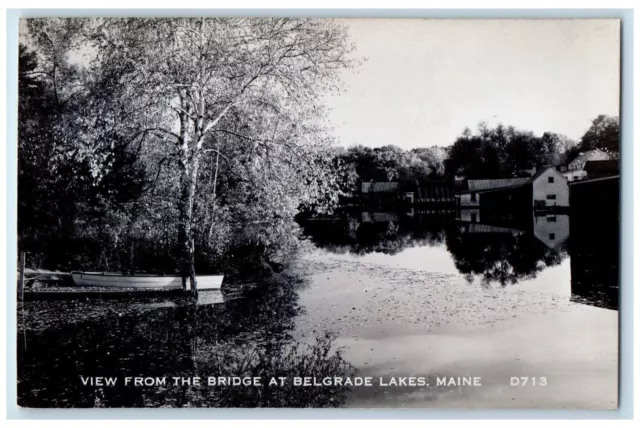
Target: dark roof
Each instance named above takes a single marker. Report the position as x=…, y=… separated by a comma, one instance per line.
x=540, y=171
x=592, y=180
x=611, y=166
x=500, y=189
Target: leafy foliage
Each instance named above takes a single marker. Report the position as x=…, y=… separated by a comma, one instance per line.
x=173, y=131
x=507, y=152
x=390, y=163
x=141, y=137
x=503, y=152
x=603, y=134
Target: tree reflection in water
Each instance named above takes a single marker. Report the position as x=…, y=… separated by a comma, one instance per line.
x=361, y=233
x=495, y=254
x=248, y=335
x=504, y=257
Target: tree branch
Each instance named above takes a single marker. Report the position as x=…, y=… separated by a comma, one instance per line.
x=226, y=159
x=226, y=131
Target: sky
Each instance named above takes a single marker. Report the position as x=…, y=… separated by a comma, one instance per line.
x=424, y=81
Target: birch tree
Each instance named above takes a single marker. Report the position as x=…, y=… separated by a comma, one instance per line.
x=182, y=85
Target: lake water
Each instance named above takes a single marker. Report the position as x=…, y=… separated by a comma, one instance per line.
x=383, y=295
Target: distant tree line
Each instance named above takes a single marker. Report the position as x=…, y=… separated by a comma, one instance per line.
x=388, y=163
x=508, y=152
x=488, y=152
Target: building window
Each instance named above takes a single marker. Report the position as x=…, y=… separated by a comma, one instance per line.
x=550, y=179
x=553, y=197
x=473, y=197
x=552, y=236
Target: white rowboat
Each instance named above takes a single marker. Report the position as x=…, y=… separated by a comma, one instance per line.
x=113, y=280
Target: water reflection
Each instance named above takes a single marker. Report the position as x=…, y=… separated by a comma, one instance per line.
x=362, y=232
x=491, y=247
x=247, y=330
x=499, y=254
x=551, y=229
x=482, y=246
x=595, y=247
x=247, y=335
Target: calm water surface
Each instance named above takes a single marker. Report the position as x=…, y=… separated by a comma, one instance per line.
x=375, y=277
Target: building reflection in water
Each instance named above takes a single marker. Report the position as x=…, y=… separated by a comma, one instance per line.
x=551, y=229
x=595, y=241
x=507, y=247
x=499, y=249
x=496, y=247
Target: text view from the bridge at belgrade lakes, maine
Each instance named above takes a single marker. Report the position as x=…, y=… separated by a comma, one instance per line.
x=257, y=212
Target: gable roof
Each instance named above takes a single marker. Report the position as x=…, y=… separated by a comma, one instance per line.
x=500, y=183
x=589, y=155
x=540, y=171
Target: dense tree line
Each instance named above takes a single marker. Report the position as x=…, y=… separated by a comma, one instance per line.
x=389, y=163
x=497, y=152
x=508, y=152
x=503, y=152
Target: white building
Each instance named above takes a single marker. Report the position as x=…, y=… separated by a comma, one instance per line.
x=546, y=188
x=551, y=229
x=550, y=188
x=575, y=169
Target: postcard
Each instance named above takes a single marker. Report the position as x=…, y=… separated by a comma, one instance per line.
x=229, y=212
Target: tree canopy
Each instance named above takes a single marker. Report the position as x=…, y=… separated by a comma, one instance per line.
x=503, y=152
x=220, y=122
x=603, y=134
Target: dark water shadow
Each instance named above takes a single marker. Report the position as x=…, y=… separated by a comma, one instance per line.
x=495, y=249
x=595, y=243
x=245, y=334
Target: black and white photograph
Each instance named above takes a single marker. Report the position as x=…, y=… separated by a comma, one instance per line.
x=310, y=212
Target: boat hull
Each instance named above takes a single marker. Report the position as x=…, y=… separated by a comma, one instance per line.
x=209, y=282
x=90, y=279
